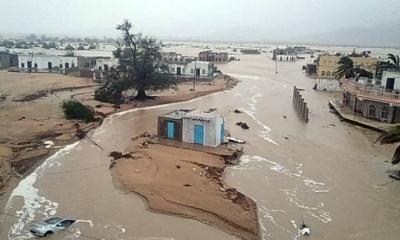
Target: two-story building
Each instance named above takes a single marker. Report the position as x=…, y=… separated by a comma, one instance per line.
x=327, y=64
x=287, y=54
x=214, y=57
x=375, y=100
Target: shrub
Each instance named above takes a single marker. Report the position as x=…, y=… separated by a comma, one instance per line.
x=76, y=110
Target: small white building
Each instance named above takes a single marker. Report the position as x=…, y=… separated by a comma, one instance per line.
x=106, y=63
x=204, y=128
x=46, y=62
x=391, y=80
x=202, y=70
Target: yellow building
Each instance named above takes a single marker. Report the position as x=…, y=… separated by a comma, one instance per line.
x=327, y=64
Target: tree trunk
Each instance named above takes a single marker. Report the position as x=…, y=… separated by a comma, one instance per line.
x=141, y=95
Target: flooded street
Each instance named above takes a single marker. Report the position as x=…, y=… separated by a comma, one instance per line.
x=326, y=173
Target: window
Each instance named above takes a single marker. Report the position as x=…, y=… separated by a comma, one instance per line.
x=328, y=74
x=61, y=65
x=323, y=73
x=203, y=71
x=385, y=113
x=192, y=71
x=22, y=65
x=371, y=110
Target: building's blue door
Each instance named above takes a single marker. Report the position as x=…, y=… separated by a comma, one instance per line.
x=198, y=134
x=222, y=133
x=170, y=130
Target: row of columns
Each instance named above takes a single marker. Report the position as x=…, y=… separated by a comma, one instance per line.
x=300, y=105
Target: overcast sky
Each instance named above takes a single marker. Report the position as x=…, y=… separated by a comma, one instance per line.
x=186, y=18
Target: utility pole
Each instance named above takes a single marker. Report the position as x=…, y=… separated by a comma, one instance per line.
x=276, y=60
x=194, y=76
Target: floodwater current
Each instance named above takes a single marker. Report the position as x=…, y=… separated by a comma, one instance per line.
x=327, y=173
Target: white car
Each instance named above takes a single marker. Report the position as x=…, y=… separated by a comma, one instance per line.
x=50, y=226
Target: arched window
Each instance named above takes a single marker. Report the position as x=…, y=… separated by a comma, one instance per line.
x=385, y=113
x=371, y=110
x=328, y=74
x=323, y=73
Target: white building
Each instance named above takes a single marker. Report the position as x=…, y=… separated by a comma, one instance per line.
x=328, y=84
x=204, y=128
x=106, y=63
x=391, y=80
x=46, y=62
x=201, y=69
x=287, y=55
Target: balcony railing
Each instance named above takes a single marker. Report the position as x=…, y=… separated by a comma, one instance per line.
x=372, y=92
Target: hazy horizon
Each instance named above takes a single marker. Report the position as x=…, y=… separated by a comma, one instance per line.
x=261, y=20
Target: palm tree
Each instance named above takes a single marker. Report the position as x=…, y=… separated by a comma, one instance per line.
x=390, y=137
x=345, y=68
x=394, y=60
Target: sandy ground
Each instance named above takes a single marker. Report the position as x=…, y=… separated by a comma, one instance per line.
x=31, y=115
x=186, y=183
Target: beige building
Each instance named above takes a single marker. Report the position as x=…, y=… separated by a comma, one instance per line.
x=327, y=64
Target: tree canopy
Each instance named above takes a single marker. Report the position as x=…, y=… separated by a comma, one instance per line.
x=347, y=69
x=139, y=67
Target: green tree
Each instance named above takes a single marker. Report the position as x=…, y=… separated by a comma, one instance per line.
x=391, y=137
x=347, y=69
x=394, y=60
x=140, y=66
x=69, y=48
x=76, y=110
x=81, y=47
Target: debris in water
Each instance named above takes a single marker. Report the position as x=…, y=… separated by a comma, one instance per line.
x=21, y=118
x=305, y=230
x=236, y=140
x=118, y=155
x=80, y=133
x=284, y=117
x=243, y=125
x=237, y=111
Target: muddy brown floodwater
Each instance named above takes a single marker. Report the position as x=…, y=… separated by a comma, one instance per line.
x=327, y=173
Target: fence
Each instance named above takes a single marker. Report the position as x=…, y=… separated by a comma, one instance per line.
x=300, y=105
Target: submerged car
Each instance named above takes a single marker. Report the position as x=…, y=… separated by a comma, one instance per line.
x=50, y=226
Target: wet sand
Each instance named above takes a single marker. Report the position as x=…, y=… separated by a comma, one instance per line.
x=328, y=173
x=186, y=183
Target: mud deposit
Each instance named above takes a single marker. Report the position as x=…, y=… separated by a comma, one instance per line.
x=187, y=183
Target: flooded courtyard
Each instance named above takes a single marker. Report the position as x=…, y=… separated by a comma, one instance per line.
x=326, y=173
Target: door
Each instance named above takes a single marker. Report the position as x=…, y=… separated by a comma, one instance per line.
x=197, y=71
x=170, y=130
x=390, y=83
x=222, y=133
x=49, y=65
x=29, y=64
x=66, y=65
x=199, y=134
x=178, y=71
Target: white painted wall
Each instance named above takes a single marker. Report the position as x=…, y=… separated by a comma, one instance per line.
x=43, y=60
x=101, y=62
x=206, y=68
x=328, y=84
x=212, y=130
x=395, y=75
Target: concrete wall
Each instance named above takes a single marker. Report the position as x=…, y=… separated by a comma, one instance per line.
x=8, y=60
x=162, y=127
x=331, y=85
x=42, y=61
x=395, y=75
x=206, y=69
x=212, y=131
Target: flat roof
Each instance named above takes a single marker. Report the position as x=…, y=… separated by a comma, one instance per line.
x=178, y=114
